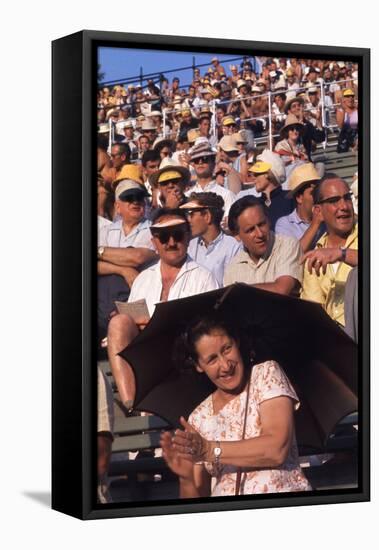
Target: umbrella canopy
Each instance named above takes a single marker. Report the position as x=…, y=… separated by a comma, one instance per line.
x=317, y=356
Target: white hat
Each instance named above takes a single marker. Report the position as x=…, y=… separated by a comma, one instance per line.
x=277, y=165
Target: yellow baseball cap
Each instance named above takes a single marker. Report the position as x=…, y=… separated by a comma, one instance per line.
x=169, y=175
x=348, y=93
x=260, y=167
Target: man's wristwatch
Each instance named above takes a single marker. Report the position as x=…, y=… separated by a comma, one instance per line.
x=100, y=252
x=343, y=253
x=217, y=451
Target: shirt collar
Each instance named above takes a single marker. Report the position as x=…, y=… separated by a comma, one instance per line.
x=213, y=243
x=245, y=256
x=321, y=243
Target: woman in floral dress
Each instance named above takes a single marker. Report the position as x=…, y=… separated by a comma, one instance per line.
x=240, y=439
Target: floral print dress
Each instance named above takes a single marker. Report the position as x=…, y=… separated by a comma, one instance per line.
x=267, y=381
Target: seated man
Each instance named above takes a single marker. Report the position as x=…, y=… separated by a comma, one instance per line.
x=303, y=223
x=176, y=275
x=209, y=247
x=272, y=195
x=124, y=247
x=171, y=180
x=328, y=266
x=268, y=261
x=202, y=158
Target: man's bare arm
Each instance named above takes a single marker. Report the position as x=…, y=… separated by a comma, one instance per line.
x=282, y=285
x=128, y=273
x=128, y=257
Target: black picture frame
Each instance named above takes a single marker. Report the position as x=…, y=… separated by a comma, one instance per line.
x=74, y=268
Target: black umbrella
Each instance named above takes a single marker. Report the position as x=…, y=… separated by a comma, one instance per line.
x=317, y=356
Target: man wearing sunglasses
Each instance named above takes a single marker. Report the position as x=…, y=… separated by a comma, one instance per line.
x=175, y=276
x=328, y=266
x=202, y=158
x=124, y=247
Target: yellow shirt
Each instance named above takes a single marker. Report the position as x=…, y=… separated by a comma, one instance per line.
x=329, y=289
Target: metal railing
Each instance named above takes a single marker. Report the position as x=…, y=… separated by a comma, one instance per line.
x=269, y=115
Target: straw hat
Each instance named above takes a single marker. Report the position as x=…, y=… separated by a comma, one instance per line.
x=277, y=165
x=301, y=176
x=241, y=83
x=201, y=150
x=147, y=125
x=228, y=144
x=348, y=93
x=288, y=104
x=170, y=170
x=103, y=128
x=192, y=135
x=130, y=172
x=291, y=120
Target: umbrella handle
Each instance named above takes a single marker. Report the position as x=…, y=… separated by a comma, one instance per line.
x=239, y=471
x=221, y=300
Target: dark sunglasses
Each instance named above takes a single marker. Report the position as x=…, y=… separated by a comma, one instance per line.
x=336, y=199
x=164, y=235
x=132, y=197
x=202, y=160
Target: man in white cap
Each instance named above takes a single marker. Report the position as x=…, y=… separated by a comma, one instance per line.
x=128, y=129
x=175, y=276
x=125, y=245
x=272, y=195
x=202, y=158
x=302, y=223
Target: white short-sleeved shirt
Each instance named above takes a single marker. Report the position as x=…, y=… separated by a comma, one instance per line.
x=213, y=187
x=102, y=223
x=192, y=279
x=139, y=237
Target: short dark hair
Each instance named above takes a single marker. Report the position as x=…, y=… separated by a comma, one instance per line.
x=214, y=202
x=281, y=95
x=149, y=155
x=240, y=206
x=184, y=350
x=316, y=193
x=123, y=149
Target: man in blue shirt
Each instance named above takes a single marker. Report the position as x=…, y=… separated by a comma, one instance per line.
x=302, y=223
x=272, y=194
x=209, y=247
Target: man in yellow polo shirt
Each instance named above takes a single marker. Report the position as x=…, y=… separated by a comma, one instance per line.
x=327, y=266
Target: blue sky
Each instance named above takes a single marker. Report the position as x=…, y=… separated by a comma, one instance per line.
x=123, y=63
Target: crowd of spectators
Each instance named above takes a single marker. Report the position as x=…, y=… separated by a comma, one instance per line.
x=215, y=183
